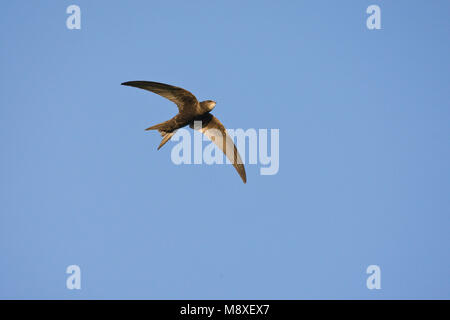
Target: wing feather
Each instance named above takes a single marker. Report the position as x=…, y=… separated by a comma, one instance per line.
x=185, y=101
x=216, y=132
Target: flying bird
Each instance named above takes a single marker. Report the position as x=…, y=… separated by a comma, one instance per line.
x=190, y=110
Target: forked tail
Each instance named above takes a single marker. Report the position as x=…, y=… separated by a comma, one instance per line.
x=166, y=137
x=167, y=129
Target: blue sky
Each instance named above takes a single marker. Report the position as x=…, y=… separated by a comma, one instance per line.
x=364, y=150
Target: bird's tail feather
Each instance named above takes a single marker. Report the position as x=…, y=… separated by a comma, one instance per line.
x=165, y=131
x=157, y=126
x=166, y=137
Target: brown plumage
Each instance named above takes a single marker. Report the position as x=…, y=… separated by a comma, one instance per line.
x=191, y=110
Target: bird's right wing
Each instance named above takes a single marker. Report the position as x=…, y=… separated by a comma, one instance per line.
x=216, y=132
x=186, y=101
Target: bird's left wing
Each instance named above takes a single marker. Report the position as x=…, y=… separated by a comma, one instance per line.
x=185, y=101
x=216, y=132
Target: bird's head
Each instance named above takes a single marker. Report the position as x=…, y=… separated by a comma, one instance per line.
x=208, y=105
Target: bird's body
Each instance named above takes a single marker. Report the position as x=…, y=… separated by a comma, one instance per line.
x=190, y=111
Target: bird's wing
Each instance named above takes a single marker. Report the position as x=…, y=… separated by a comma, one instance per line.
x=216, y=132
x=186, y=101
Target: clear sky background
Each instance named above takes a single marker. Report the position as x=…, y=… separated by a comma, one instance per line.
x=364, y=150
